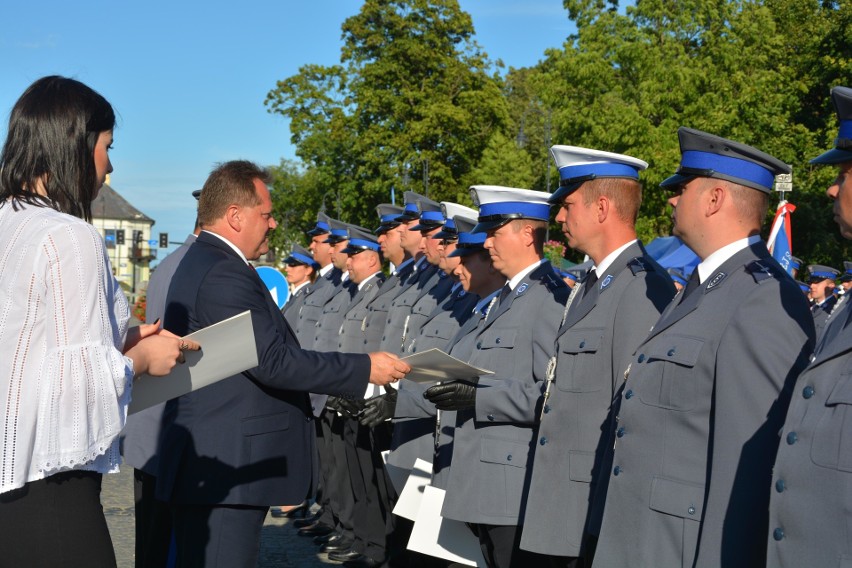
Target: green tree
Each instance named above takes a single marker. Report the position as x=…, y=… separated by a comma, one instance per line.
x=414, y=98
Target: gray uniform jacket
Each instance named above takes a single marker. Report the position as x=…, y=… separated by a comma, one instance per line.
x=822, y=313
x=424, y=307
x=328, y=326
x=489, y=478
x=414, y=417
x=594, y=345
x=140, y=434
x=352, y=335
x=321, y=291
x=293, y=307
x=378, y=309
x=698, y=422
x=399, y=311
x=810, y=511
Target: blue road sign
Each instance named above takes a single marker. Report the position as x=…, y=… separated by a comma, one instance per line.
x=275, y=283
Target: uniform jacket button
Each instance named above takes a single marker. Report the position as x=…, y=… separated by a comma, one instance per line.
x=780, y=486
x=792, y=438
x=616, y=470
x=641, y=357
x=543, y=440
x=808, y=391
x=628, y=395
x=778, y=534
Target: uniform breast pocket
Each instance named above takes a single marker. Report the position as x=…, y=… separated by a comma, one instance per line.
x=496, y=349
x=575, y=370
x=670, y=381
x=832, y=443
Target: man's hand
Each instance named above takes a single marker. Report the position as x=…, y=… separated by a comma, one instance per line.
x=379, y=408
x=332, y=404
x=452, y=395
x=351, y=408
x=386, y=368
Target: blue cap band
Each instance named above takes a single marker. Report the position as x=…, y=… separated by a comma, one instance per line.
x=471, y=239
x=603, y=169
x=433, y=216
x=303, y=259
x=323, y=226
x=450, y=224
x=340, y=233
x=726, y=165
x=823, y=275
x=411, y=208
x=528, y=210
x=388, y=218
x=845, y=129
x=363, y=243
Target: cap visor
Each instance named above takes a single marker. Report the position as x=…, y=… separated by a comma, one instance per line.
x=485, y=226
x=833, y=156
x=676, y=181
x=464, y=252
x=563, y=192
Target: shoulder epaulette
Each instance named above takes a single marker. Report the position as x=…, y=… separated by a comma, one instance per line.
x=639, y=264
x=760, y=270
x=553, y=282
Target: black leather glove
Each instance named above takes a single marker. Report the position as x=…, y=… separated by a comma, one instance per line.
x=332, y=404
x=452, y=395
x=351, y=408
x=379, y=408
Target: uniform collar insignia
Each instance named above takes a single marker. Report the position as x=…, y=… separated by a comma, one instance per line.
x=606, y=281
x=716, y=280
x=521, y=289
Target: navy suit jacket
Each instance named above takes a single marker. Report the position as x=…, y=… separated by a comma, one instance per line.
x=248, y=439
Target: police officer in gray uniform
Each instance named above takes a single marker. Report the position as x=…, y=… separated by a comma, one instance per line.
x=302, y=271
x=821, y=280
x=424, y=275
x=328, y=325
x=389, y=238
x=608, y=316
x=706, y=391
x=491, y=449
x=810, y=511
x=326, y=286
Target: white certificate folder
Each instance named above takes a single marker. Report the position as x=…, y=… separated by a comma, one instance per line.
x=435, y=365
x=227, y=348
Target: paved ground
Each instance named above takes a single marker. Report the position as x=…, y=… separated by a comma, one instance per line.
x=280, y=546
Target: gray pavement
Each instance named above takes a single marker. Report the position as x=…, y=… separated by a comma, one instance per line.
x=280, y=546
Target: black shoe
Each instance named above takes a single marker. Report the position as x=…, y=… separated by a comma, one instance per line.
x=363, y=561
x=316, y=529
x=307, y=521
x=341, y=544
x=320, y=540
x=297, y=511
x=344, y=555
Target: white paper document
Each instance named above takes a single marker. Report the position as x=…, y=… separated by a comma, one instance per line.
x=408, y=504
x=227, y=348
x=443, y=538
x=434, y=365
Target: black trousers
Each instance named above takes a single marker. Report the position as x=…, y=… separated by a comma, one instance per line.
x=217, y=536
x=339, y=483
x=501, y=547
x=153, y=523
x=56, y=521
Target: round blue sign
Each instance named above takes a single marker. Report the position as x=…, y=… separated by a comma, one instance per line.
x=275, y=283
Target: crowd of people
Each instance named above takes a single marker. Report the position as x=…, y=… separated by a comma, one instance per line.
x=624, y=420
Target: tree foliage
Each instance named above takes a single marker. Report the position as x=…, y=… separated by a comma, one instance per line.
x=413, y=103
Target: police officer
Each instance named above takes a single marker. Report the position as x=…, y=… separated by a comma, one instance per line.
x=821, y=280
x=810, y=509
x=302, y=271
x=491, y=450
x=609, y=315
x=705, y=393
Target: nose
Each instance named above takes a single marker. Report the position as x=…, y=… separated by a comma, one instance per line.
x=831, y=192
x=560, y=216
x=673, y=200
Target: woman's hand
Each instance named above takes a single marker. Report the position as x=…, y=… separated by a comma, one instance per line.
x=156, y=351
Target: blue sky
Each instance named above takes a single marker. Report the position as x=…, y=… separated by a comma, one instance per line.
x=188, y=79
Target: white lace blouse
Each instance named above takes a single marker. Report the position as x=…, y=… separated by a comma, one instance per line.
x=64, y=383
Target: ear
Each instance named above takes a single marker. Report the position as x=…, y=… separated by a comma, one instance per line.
x=233, y=215
x=716, y=197
x=603, y=205
x=528, y=233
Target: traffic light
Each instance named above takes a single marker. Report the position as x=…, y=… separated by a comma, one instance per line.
x=164, y=240
x=119, y=237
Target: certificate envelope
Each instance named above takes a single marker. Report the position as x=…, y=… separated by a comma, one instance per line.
x=408, y=503
x=227, y=348
x=435, y=365
x=444, y=538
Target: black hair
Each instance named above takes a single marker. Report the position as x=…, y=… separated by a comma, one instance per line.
x=53, y=130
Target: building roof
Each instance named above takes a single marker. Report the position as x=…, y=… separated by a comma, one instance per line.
x=110, y=205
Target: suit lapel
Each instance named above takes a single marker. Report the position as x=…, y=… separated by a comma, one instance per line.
x=839, y=343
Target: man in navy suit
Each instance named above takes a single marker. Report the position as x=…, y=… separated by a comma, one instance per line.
x=230, y=450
